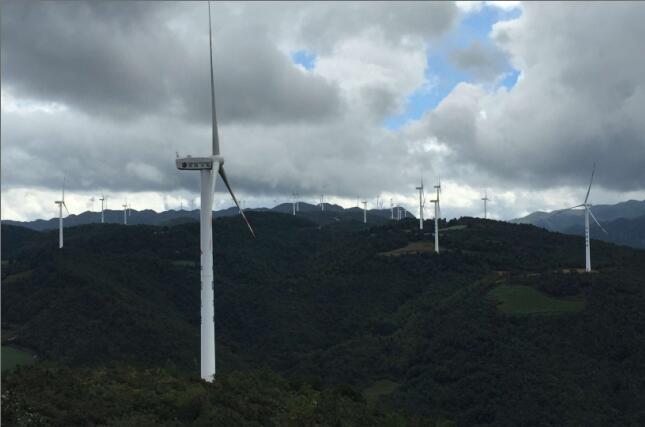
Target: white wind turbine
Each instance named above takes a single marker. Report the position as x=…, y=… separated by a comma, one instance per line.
x=364, y=202
x=103, y=200
x=485, y=199
x=587, y=207
x=437, y=214
x=208, y=167
x=60, y=204
x=421, y=204
x=125, y=213
x=322, y=201
x=294, y=203
x=391, y=209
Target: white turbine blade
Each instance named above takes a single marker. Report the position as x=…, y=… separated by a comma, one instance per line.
x=214, y=118
x=65, y=207
x=590, y=181
x=594, y=218
x=228, y=186
x=559, y=211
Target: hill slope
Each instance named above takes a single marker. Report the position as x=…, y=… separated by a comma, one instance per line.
x=332, y=213
x=625, y=222
x=373, y=308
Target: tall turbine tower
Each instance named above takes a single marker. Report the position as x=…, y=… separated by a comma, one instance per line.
x=587, y=207
x=103, y=200
x=485, y=199
x=364, y=202
x=437, y=214
x=208, y=166
x=125, y=213
x=421, y=203
x=391, y=209
x=294, y=204
x=322, y=201
x=60, y=204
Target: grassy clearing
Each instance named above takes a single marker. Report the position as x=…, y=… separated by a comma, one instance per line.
x=453, y=228
x=412, y=248
x=521, y=300
x=18, y=277
x=378, y=389
x=12, y=357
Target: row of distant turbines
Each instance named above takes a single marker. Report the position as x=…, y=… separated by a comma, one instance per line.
x=103, y=199
x=210, y=167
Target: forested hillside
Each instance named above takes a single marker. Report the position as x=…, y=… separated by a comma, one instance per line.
x=336, y=324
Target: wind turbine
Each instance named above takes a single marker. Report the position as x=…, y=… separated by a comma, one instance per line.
x=437, y=214
x=391, y=209
x=485, y=199
x=421, y=204
x=125, y=213
x=208, y=167
x=364, y=202
x=294, y=204
x=60, y=204
x=587, y=207
x=322, y=201
x=103, y=200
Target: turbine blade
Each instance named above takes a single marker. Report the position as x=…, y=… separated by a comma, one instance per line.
x=594, y=218
x=590, y=181
x=559, y=211
x=213, y=112
x=228, y=186
x=65, y=207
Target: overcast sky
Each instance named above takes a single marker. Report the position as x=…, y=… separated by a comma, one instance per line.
x=350, y=99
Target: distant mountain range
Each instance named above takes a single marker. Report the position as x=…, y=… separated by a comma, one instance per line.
x=332, y=213
x=624, y=222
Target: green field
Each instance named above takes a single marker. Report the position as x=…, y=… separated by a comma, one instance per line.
x=12, y=357
x=526, y=300
x=378, y=389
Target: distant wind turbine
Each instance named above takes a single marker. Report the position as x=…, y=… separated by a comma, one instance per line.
x=364, y=211
x=437, y=214
x=125, y=213
x=103, y=200
x=391, y=209
x=294, y=203
x=60, y=204
x=322, y=201
x=587, y=207
x=485, y=199
x=421, y=204
x=208, y=167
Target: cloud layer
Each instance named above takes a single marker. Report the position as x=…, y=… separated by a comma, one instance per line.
x=107, y=92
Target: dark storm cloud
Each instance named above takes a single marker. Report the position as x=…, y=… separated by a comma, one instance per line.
x=124, y=60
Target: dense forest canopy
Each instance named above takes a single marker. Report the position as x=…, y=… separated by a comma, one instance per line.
x=366, y=321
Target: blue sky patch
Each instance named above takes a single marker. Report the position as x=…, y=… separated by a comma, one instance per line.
x=443, y=75
x=305, y=58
